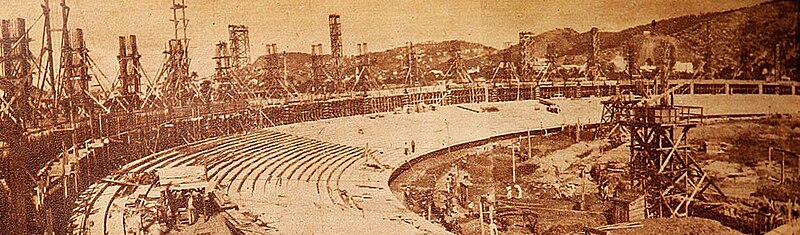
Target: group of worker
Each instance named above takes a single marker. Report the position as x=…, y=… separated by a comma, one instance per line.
x=413, y=147
x=191, y=202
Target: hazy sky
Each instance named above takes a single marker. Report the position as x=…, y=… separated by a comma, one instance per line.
x=295, y=25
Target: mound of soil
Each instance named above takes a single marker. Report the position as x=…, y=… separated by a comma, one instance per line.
x=690, y=225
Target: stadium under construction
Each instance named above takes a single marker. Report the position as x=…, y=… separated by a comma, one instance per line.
x=350, y=148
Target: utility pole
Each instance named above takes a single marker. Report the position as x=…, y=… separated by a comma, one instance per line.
x=513, y=165
x=529, y=143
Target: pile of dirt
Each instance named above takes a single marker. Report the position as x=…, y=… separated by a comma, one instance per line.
x=689, y=225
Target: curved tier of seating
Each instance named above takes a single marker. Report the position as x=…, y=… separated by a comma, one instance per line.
x=239, y=163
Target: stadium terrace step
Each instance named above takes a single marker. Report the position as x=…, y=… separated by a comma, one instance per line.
x=335, y=149
x=320, y=147
x=247, y=178
x=225, y=156
x=249, y=157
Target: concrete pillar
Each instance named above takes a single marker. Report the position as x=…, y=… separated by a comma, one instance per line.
x=691, y=88
x=760, y=88
x=727, y=88
x=486, y=93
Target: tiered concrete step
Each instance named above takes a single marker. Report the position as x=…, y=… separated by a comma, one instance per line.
x=104, y=194
x=247, y=158
x=258, y=167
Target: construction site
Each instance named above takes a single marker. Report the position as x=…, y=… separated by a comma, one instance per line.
x=660, y=128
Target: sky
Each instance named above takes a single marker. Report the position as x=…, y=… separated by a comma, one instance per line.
x=297, y=24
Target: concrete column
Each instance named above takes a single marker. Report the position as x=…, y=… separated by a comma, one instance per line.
x=760, y=88
x=793, y=89
x=486, y=93
x=691, y=88
x=727, y=88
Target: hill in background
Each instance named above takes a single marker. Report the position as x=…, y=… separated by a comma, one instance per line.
x=741, y=44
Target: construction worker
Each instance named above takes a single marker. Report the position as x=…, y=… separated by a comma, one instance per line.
x=413, y=146
x=405, y=148
x=190, y=208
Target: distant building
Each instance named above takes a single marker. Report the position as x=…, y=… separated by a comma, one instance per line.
x=685, y=67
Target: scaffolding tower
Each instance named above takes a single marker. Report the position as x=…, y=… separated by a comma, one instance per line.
x=505, y=72
x=129, y=72
x=222, y=58
x=320, y=82
x=365, y=78
x=458, y=70
x=174, y=83
x=592, y=61
x=413, y=74
x=271, y=49
x=239, y=45
x=662, y=166
x=336, y=46
x=75, y=78
x=526, y=56
x=276, y=74
x=16, y=73
x=16, y=115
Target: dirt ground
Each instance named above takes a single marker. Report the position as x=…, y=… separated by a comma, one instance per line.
x=549, y=179
x=689, y=225
x=734, y=153
x=737, y=154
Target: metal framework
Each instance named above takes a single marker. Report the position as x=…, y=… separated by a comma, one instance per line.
x=615, y=109
x=15, y=74
x=276, y=74
x=239, y=45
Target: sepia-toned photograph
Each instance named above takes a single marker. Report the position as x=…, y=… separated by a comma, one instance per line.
x=474, y=117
